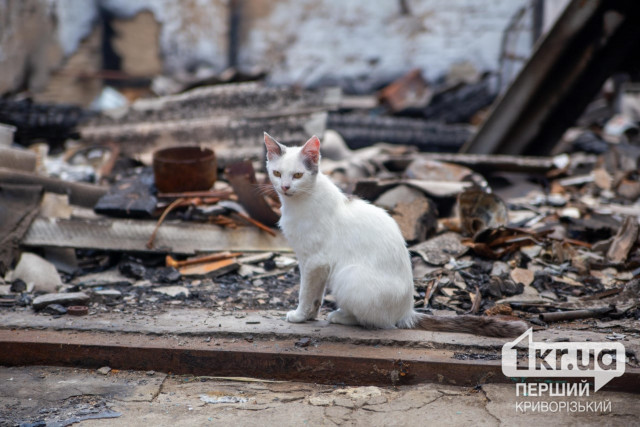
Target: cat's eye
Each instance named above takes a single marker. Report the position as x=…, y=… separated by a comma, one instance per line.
x=276, y=173
x=297, y=175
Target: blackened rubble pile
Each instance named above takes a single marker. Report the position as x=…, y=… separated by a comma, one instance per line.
x=539, y=238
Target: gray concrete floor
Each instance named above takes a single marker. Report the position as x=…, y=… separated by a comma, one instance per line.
x=125, y=398
x=268, y=324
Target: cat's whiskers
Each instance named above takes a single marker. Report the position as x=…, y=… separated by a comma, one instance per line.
x=263, y=189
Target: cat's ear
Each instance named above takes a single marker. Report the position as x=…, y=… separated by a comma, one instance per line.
x=311, y=150
x=274, y=148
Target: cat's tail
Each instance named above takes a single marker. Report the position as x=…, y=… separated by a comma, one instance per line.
x=478, y=325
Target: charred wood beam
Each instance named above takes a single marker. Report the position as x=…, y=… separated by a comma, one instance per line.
x=235, y=115
x=230, y=131
x=586, y=45
x=81, y=194
x=229, y=100
x=482, y=162
x=362, y=130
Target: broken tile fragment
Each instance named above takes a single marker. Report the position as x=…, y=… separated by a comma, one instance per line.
x=440, y=249
x=54, y=309
x=104, y=370
x=623, y=241
x=522, y=275
x=106, y=295
x=72, y=298
x=415, y=213
x=478, y=210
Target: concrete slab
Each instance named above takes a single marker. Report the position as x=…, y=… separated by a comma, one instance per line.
x=502, y=399
x=183, y=401
x=52, y=384
x=263, y=344
x=63, y=396
x=272, y=324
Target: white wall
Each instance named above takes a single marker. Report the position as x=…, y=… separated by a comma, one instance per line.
x=357, y=43
x=192, y=31
x=308, y=41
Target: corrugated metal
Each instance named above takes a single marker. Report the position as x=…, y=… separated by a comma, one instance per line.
x=130, y=235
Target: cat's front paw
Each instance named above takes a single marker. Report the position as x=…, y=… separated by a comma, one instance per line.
x=295, y=317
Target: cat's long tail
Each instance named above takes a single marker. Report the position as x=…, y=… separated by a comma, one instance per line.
x=478, y=325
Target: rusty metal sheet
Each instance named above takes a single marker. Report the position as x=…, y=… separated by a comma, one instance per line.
x=242, y=178
x=132, y=235
x=322, y=362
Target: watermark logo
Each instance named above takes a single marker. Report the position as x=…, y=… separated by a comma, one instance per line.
x=601, y=361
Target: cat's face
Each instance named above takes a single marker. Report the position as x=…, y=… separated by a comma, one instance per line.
x=292, y=170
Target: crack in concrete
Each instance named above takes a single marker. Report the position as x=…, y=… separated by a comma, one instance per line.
x=376, y=408
x=486, y=402
x=434, y=400
x=160, y=388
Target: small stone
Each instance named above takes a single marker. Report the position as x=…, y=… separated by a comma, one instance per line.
x=170, y=275
x=495, y=287
x=522, y=275
x=275, y=301
x=303, y=342
x=24, y=300
x=133, y=270
x=285, y=262
x=531, y=251
x=629, y=189
x=18, y=285
x=321, y=400
x=602, y=178
x=509, y=287
x=104, y=370
x=500, y=268
x=106, y=295
x=55, y=310
x=570, y=213
x=247, y=270
x=172, y=291
x=415, y=213
x=440, y=249
x=150, y=373
x=557, y=200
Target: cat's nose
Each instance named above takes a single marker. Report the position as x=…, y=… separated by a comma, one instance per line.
x=285, y=187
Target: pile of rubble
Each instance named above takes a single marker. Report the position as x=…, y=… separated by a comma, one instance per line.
x=540, y=238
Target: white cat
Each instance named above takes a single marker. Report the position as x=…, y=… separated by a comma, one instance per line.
x=354, y=249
